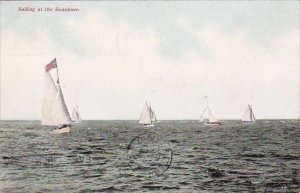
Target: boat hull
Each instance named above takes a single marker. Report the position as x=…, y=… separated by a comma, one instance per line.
x=60, y=131
x=248, y=122
x=212, y=124
x=148, y=125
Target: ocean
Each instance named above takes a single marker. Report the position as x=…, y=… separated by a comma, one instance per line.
x=173, y=156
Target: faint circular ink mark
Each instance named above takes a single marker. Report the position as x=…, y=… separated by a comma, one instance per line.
x=148, y=154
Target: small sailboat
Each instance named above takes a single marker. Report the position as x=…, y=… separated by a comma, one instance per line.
x=248, y=117
x=207, y=117
x=54, y=109
x=152, y=114
x=145, y=117
x=75, y=115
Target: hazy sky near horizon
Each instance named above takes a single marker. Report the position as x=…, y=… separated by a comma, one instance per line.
x=113, y=56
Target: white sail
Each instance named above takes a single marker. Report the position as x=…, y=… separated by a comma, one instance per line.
x=145, y=117
x=60, y=111
x=54, y=110
x=204, y=115
x=50, y=91
x=252, y=114
x=207, y=116
x=152, y=114
x=248, y=115
x=75, y=115
x=211, y=116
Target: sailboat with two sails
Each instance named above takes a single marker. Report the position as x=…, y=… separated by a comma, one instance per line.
x=152, y=114
x=207, y=117
x=147, y=117
x=54, y=110
x=248, y=117
x=75, y=115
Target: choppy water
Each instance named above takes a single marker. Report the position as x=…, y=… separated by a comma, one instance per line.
x=264, y=157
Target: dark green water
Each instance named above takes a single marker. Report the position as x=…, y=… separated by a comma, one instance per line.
x=264, y=157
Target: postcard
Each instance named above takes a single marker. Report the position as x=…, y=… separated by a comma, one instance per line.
x=149, y=96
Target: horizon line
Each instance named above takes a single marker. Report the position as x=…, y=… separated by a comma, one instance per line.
x=159, y=119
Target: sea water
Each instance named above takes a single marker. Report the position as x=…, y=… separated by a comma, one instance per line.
x=93, y=157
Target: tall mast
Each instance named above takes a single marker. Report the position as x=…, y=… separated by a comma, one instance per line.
x=206, y=99
x=251, y=113
x=253, y=117
x=57, y=74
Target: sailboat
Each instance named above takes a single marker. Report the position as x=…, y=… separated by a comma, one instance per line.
x=54, y=109
x=207, y=117
x=145, y=117
x=75, y=115
x=152, y=114
x=248, y=117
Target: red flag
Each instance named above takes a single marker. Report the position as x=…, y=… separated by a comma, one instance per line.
x=51, y=65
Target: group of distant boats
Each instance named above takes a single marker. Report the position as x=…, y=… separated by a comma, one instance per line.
x=148, y=117
x=55, y=112
x=208, y=118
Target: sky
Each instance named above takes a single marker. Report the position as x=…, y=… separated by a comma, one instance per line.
x=113, y=56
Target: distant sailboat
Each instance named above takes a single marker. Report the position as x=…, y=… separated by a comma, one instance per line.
x=75, y=115
x=248, y=117
x=145, y=117
x=152, y=114
x=54, y=109
x=207, y=117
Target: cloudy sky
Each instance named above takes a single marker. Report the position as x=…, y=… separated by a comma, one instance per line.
x=113, y=56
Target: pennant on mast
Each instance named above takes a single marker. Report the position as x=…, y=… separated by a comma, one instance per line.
x=51, y=65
